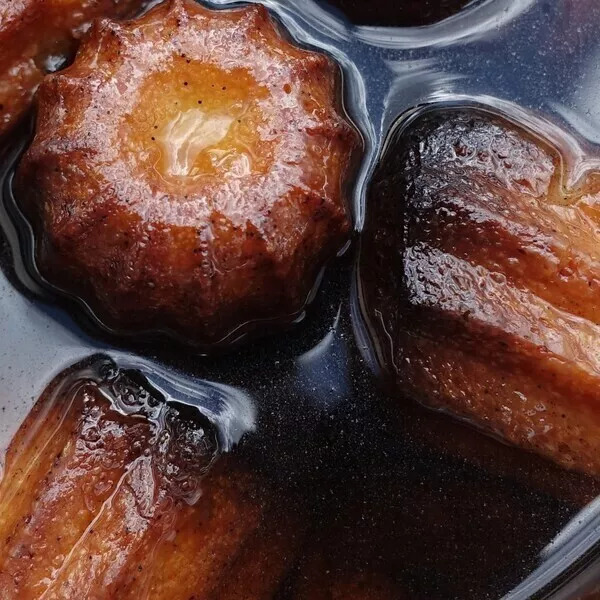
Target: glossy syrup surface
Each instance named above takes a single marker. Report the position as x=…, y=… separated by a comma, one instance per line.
x=449, y=512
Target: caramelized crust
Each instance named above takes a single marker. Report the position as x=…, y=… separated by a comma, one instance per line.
x=34, y=34
x=118, y=498
x=188, y=173
x=480, y=283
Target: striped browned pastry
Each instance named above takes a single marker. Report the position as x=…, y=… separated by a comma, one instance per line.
x=113, y=494
x=481, y=282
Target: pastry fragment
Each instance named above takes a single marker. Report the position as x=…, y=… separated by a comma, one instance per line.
x=38, y=35
x=480, y=283
x=189, y=173
x=109, y=492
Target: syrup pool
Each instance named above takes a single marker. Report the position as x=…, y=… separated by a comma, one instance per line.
x=440, y=509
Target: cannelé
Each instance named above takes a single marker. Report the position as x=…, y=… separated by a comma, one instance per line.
x=188, y=173
x=480, y=277
x=109, y=492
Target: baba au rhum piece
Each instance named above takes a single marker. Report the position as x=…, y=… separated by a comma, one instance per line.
x=480, y=282
x=38, y=35
x=189, y=173
x=108, y=492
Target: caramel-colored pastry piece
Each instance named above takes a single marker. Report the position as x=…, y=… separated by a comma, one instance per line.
x=188, y=173
x=399, y=13
x=480, y=283
x=108, y=493
x=34, y=34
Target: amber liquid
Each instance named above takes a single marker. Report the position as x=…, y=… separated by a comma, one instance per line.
x=386, y=489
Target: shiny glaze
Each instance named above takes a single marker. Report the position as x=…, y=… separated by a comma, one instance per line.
x=381, y=470
x=188, y=173
x=481, y=280
x=110, y=492
x=39, y=36
x=116, y=488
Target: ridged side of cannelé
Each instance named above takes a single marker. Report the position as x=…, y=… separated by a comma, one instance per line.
x=110, y=493
x=481, y=282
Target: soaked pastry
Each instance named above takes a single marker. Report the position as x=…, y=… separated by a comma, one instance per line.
x=189, y=173
x=337, y=564
x=429, y=430
x=400, y=13
x=480, y=281
x=108, y=492
x=36, y=36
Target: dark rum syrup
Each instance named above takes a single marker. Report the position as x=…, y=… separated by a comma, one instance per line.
x=395, y=501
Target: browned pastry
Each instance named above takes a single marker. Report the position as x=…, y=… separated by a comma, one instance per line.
x=125, y=498
x=399, y=13
x=33, y=32
x=188, y=172
x=480, y=283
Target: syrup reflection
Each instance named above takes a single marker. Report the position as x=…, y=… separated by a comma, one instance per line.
x=363, y=438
